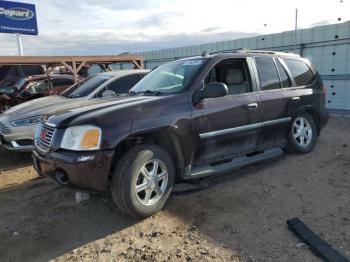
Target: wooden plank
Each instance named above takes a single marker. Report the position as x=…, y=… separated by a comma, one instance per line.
x=32, y=60
x=136, y=63
x=67, y=66
x=75, y=72
x=81, y=66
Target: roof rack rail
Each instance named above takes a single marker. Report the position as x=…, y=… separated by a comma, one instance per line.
x=224, y=51
x=252, y=51
x=265, y=52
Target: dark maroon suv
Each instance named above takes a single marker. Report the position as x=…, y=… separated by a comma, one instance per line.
x=186, y=119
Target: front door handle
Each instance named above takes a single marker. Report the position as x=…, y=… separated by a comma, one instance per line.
x=296, y=98
x=252, y=106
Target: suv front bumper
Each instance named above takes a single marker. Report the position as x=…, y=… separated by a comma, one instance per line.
x=68, y=169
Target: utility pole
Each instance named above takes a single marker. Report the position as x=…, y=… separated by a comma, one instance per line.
x=19, y=44
x=296, y=30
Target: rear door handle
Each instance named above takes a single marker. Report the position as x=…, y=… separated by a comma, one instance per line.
x=296, y=98
x=252, y=106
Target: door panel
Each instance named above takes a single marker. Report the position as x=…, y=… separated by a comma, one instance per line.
x=228, y=125
x=225, y=127
x=275, y=105
x=274, y=102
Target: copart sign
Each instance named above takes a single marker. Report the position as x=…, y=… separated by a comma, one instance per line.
x=18, y=18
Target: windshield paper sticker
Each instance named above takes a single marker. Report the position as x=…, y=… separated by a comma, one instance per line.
x=193, y=62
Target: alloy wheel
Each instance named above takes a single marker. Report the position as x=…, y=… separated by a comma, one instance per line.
x=302, y=131
x=151, y=182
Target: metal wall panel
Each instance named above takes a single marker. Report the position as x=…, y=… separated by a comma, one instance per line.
x=327, y=47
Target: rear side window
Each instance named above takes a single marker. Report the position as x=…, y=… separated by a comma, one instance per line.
x=300, y=71
x=58, y=82
x=123, y=84
x=268, y=74
x=285, y=80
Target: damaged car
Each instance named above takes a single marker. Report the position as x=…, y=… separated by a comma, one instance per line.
x=32, y=87
x=186, y=119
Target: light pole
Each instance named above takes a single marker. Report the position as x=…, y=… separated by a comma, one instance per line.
x=19, y=44
x=296, y=30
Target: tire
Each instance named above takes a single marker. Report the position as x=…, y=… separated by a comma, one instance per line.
x=308, y=133
x=135, y=171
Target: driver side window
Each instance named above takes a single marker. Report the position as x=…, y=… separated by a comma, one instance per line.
x=232, y=72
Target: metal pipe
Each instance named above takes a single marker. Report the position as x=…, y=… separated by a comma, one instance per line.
x=296, y=30
x=19, y=44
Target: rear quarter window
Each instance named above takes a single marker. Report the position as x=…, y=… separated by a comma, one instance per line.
x=300, y=71
x=268, y=74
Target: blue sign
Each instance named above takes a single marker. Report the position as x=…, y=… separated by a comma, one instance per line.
x=18, y=18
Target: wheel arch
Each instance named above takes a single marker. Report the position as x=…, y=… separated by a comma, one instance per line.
x=164, y=137
x=314, y=114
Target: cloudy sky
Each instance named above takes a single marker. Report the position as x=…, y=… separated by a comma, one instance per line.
x=111, y=27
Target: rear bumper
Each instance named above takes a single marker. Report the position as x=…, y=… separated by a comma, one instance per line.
x=67, y=169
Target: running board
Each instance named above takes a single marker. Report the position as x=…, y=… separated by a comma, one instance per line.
x=235, y=163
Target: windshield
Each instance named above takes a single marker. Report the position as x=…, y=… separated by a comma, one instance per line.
x=87, y=87
x=169, y=78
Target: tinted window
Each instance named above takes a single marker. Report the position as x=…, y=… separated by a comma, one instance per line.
x=285, y=80
x=124, y=84
x=58, y=82
x=267, y=73
x=300, y=71
x=86, y=87
x=233, y=73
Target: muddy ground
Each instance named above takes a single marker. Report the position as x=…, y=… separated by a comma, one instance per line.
x=238, y=217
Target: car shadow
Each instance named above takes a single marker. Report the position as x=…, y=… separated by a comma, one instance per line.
x=12, y=160
x=40, y=211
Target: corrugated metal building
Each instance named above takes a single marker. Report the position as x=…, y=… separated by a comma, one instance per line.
x=328, y=47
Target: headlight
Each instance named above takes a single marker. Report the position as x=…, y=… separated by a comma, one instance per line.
x=82, y=138
x=26, y=121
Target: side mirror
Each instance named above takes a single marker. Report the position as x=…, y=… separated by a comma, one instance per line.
x=213, y=90
x=108, y=93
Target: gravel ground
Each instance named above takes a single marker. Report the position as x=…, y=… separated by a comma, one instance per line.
x=237, y=217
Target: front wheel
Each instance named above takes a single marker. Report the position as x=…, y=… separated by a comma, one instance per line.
x=142, y=180
x=302, y=134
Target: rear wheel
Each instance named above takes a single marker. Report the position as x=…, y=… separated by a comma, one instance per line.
x=143, y=180
x=302, y=134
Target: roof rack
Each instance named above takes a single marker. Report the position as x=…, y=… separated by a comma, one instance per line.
x=243, y=50
x=252, y=51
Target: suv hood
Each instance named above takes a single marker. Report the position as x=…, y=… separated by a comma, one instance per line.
x=41, y=106
x=93, y=107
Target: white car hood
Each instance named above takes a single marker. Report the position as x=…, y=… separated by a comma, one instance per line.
x=42, y=106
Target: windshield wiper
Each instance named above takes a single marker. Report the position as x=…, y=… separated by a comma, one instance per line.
x=148, y=91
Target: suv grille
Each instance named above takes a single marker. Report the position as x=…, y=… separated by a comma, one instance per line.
x=5, y=130
x=44, y=137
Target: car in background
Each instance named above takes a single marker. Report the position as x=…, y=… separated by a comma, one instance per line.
x=18, y=124
x=32, y=87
